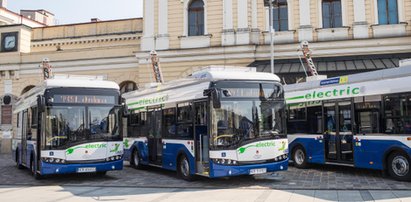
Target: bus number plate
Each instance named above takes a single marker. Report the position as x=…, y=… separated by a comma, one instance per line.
x=86, y=170
x=258, y=171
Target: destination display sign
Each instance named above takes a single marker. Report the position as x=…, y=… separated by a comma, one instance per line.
x=84, y=99
x=248, y=92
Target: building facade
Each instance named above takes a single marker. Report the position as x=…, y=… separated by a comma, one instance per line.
x=104, y=48
x=346, y=36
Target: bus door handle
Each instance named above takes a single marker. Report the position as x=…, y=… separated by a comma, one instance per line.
x=199, y=148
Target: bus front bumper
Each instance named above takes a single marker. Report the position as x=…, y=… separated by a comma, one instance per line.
x=53, y=168
x=218, y=170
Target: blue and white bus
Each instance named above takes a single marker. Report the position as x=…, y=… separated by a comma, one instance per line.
x=361, y=120
x=218, y=122
x=69, y=124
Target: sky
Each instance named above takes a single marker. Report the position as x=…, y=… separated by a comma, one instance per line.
x=77, y=11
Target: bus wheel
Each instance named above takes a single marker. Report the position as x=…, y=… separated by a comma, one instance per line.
x=135, y=160
x=18, y=164
x=399, y=166
x=183, y=168
x=299, y=157
x=34, y=172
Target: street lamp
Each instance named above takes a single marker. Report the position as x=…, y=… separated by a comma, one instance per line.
x=270, y=3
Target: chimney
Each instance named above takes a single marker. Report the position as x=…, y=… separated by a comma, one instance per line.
x=95, y=20
x=3, y=3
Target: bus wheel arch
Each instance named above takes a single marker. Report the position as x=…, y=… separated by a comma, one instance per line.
x=135, y=158
x=398, y=164
x=33, y=168
x=299, y=156
x=183, y=166
x=18, y=164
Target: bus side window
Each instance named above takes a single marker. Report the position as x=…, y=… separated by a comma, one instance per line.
x=297, y=117
x=397, y=111
x=133, y=123
x=305, y=118
x=169, y=117
x=27, y=124
x=201, y=113
x=185, y=121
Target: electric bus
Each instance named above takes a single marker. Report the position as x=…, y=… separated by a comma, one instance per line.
x=360, y=120
x=69, y=124
x=217, y=122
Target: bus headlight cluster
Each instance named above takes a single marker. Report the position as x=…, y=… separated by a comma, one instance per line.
x=53, y=160
x=281, y=157
x=114, y=158
x=225, y=161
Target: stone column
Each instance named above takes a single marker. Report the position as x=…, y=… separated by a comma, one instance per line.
x=243, y=31
x=360, y=27
x=255, y=31
x=147, y=41
x=305, y=32
x=162, y=40
x=228, y=37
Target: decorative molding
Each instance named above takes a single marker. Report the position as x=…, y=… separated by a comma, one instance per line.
x=195, y=41
x=329, y=34
x=391, y=30
x=280, y=37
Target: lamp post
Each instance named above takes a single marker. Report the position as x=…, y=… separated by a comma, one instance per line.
x=270, y=3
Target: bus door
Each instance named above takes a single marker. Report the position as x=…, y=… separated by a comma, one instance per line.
x=201, y=136
x=155, y=142
x=24, y=138
x=338, y=131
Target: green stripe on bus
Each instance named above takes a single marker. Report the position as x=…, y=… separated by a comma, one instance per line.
x=296, y=97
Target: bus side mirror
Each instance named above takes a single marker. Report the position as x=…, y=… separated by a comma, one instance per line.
x=216, y=97
x=41, y=102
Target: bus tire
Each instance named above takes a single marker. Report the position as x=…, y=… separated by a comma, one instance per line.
x=135, y=160
x=18, y=164
x=183, y=168
x=398, y=165
x=33, y=170
x=299, y=157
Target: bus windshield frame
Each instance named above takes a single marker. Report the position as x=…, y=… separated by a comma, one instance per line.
x=74, y=116
x=249, y=112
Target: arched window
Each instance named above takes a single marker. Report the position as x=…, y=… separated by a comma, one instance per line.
x=387, y=12
x=280, y=15
x=26, y=89
x=196, y=18
x=127, y=86
x=332, y=15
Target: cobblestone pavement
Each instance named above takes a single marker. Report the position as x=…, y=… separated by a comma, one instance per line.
x=317, y=177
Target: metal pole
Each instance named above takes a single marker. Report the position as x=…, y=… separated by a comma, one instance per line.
x=271, y=37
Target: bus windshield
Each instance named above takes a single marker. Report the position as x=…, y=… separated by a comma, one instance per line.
x=68, y=125
x=254, y=111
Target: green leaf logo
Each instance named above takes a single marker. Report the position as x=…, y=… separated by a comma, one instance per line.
x=126, y=143
x=282, y=147
x=70, y=151
x=116, y=148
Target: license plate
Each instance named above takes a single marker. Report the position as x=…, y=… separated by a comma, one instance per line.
x=258, y=171
x=86, y=170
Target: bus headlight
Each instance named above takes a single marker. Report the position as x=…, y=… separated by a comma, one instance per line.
x=53, y=160
x=225, y=161
x=113, y=158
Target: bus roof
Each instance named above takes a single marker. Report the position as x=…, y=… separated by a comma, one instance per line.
x=363, y=84
x=62, y=81
x=193, y=86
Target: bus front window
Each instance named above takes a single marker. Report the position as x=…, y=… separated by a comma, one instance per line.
x=238, y=121
x=66, y=125
x=62, y=123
